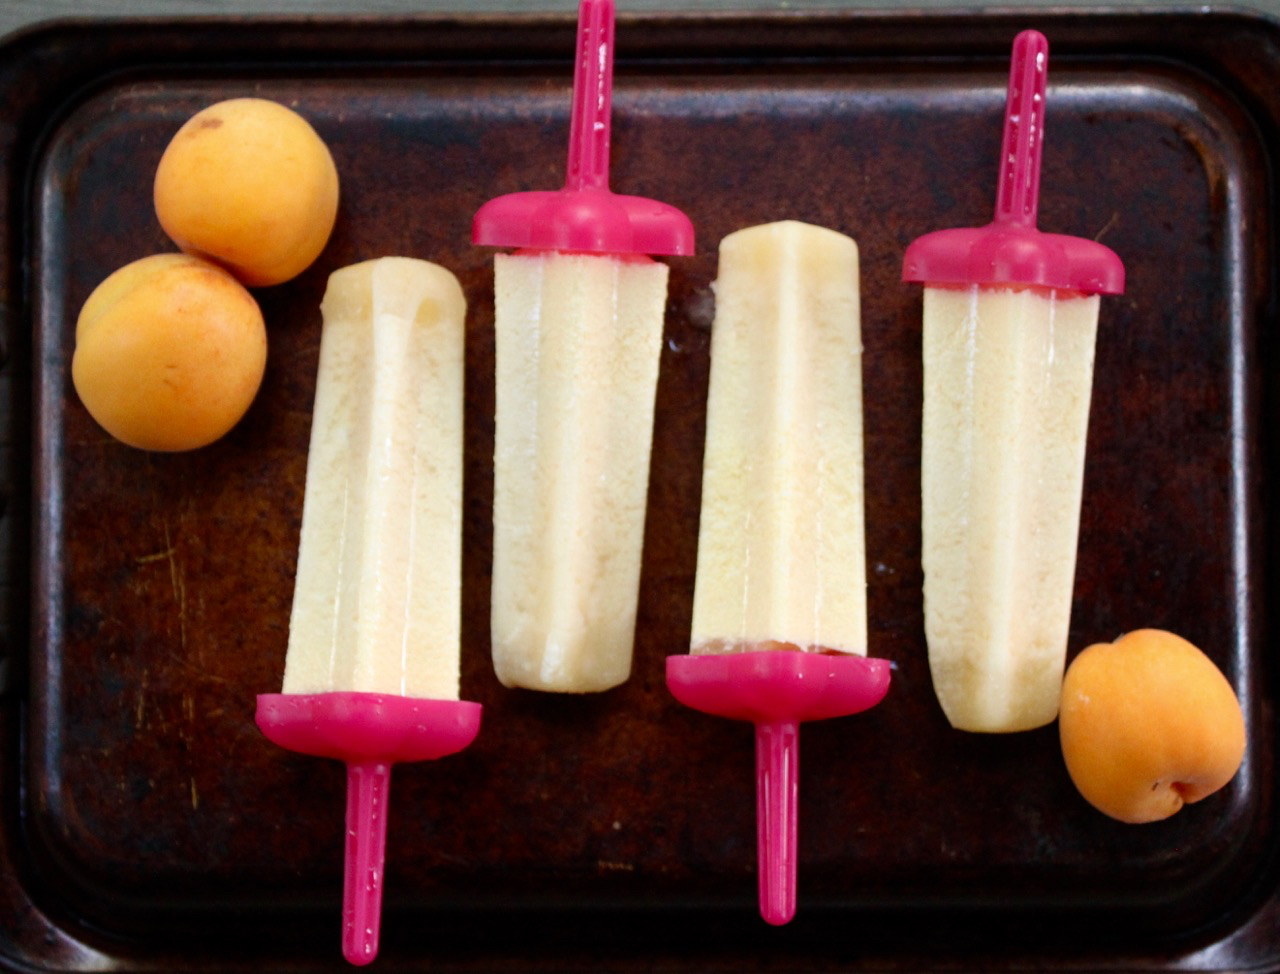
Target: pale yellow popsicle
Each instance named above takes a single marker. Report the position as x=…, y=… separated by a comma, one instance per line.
x=577, y=344
x=781, y=549
x=1007, y=375
x=376, y=604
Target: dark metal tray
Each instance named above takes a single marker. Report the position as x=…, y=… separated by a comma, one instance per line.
x=145, y=824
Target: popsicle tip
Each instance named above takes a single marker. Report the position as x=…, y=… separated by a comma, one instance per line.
x=782, y=913
x=1030, y=38
x=361, y=953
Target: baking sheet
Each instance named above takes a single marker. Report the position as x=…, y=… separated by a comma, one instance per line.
x=145, y=814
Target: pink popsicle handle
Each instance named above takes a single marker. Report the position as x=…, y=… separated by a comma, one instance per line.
x=777, y=691
x=368, y=732
x=777, y=812
x=1018, y=195
x=1010, y=250
x=589, y=123
x=585, y=215
x=368, y=791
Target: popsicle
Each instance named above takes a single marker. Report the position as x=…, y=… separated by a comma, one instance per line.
x=372, y=668
x=1010, y=322
x=578, y=327
x=779, y=632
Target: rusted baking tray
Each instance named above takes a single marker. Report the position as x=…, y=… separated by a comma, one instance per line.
x=148, y=826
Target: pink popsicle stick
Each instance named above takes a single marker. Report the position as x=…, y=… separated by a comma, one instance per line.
x=778, y=819
x=1009, y=249
x=585, y=216
x=776, y=691
x=592, y=115
x=1018, y=195
x=369, y=732
x=368, y=792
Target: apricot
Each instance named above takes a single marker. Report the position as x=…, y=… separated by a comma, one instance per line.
x=249, y=184
x=1148, y=723
x=170, y=352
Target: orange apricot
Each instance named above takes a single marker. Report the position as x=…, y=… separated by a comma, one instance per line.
x=170, y=352
x=1148, y=723
x=249, y=184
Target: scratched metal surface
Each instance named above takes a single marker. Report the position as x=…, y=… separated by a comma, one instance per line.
x=145, y=815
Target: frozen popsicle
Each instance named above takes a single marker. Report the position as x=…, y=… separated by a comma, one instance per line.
x=781, y=558
x=1010, y=321
x=779, y=630
x=372, y=668
x=578, y=328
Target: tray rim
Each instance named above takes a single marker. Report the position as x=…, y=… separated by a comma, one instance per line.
x=10, y=709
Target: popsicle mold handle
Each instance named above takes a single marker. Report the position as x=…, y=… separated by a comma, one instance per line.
x=1010, y=250
x=1018, y=195
x=585, y=216
x=369, y=732
x=777, y=807
x=589, y=125
x=368, y=793
x=776, y=691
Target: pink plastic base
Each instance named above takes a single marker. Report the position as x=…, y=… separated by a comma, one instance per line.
x=999, y=254
x=355, y=727
x=776, y=691
x=368, y=732
x=589, y=220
